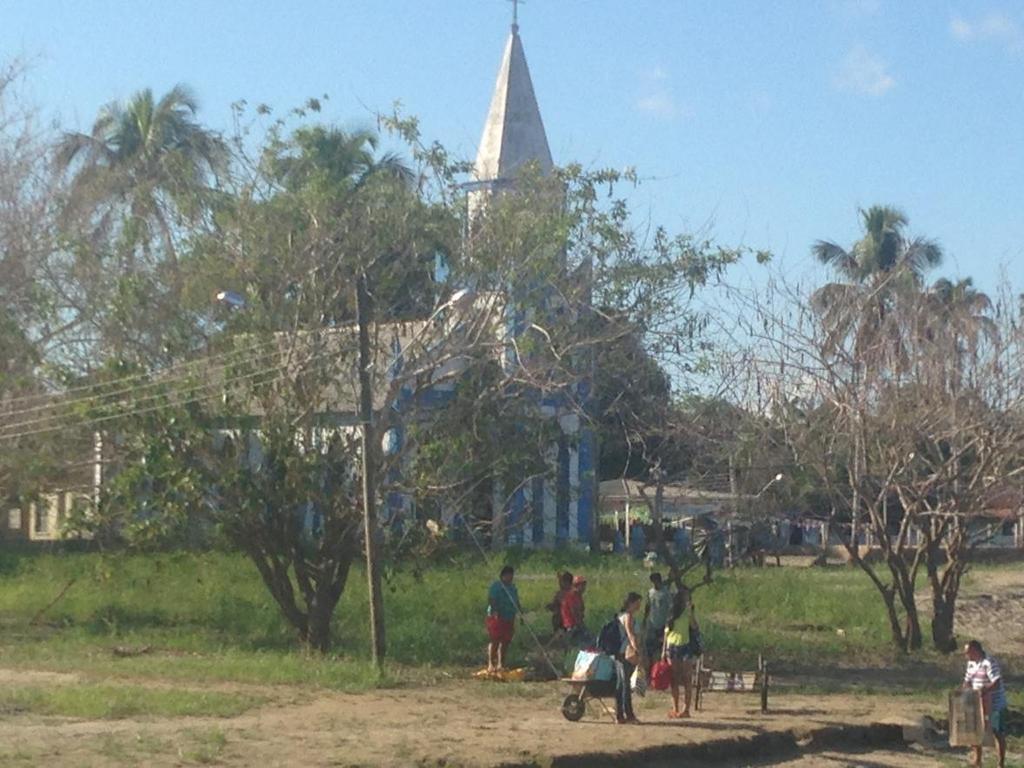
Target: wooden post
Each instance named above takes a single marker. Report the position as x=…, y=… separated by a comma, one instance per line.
x=700, y=677
x=368, y=461
x=728, y=544
x=764, y=685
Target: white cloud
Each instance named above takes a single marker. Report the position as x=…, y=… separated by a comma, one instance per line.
x=992, y=27
x=863, y=72
x=656, y=95
x=660, y=104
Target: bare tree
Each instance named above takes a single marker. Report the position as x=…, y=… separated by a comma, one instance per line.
x=909, y=445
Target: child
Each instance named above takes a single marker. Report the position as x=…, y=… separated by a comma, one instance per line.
x=555, y=606
x=656, y=613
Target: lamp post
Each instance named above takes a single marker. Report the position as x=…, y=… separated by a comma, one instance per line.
x=769, y=484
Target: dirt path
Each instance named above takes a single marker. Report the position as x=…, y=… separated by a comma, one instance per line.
x=485, y=724
x=472, y=724
x=992, y=609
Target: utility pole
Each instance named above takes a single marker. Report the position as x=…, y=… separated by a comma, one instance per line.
x=369, y=498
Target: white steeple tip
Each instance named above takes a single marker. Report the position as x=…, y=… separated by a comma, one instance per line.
x=514, y=132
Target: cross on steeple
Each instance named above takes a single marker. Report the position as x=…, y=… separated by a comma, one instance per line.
x=515, y=12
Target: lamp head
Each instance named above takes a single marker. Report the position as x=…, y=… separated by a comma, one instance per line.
x=231, y=299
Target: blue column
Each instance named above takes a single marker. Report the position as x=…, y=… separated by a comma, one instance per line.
x=588, y=485
x=537, y=523
x=562, y=493
x=514, y=525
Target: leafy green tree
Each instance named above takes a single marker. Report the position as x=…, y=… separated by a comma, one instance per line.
x=29, y=324
x=312, y=213
x=876, y=271
x=143, y=164
x=140, y=184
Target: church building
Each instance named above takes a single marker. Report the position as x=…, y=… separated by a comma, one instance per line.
x=559, y=509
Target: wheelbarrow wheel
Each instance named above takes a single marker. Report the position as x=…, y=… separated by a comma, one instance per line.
x=573, y=708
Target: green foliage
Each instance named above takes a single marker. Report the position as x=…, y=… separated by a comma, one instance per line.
x=209, y=617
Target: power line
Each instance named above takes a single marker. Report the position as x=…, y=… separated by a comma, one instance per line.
x=147, y=397
x=136, y=411
x=132, y=377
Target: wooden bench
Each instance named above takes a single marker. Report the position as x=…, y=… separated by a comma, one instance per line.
x=715, y=681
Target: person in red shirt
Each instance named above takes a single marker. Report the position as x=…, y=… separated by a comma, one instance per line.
x=555, y=606
x=573, y=612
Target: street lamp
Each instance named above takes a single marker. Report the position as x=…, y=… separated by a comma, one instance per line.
x=231, y=299
x=769, y=484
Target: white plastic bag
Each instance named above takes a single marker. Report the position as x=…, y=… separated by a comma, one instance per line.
x=638, y=682
x=585, y=666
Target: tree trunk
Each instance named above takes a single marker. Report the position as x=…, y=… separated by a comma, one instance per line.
x=318, y=629
x=942, y=626
x=279, y=584
x=888, y=593
x=912, y=631
x=903, y=588
x=944, y=595
x=898, y=638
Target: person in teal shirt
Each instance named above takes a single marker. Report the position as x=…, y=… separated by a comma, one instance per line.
x=502, y=607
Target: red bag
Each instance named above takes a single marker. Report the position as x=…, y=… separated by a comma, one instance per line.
x=661, y=675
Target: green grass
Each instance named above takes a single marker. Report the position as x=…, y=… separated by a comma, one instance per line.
x=99, y=701
x=207, y=746
x=208, y=617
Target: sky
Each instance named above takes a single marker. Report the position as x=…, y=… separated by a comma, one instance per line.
x=765, y=124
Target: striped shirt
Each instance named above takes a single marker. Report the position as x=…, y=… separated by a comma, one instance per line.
x=983, y=673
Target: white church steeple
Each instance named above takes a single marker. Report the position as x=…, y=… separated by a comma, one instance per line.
x=514, y=132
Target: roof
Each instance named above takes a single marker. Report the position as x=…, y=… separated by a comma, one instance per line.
x=514, y=132
x=1004, y=504
x=622, y=490
x=291, y=353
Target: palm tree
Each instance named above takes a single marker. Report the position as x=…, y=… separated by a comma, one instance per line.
x=877, y=270
x=346, y=185
x=144, y=162
x=957, y=320
x=338, y=162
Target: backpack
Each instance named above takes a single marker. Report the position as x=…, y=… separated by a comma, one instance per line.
x=609, y=639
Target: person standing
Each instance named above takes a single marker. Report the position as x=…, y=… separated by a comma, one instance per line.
x=681, y=653
x=502, y=606
x=627, y=659
x=984, y=675
x=565, y=582
x=573, y=612
x=656, y=614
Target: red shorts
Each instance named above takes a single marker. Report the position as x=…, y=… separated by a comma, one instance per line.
x=500, y=630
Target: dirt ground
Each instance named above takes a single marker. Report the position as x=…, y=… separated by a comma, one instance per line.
x=460, y=723
x=472, y=723
x=992, y=609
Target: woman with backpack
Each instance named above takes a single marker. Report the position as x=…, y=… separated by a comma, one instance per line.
x=627, y=659
x=682, y=653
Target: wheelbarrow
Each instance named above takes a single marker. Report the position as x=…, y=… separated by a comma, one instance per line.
x=574, y=706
